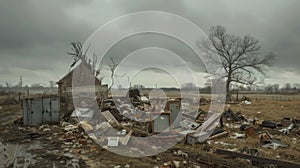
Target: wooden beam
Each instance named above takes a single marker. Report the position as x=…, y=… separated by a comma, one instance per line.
x=259, y=159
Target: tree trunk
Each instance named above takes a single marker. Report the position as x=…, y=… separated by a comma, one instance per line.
x=228, y=93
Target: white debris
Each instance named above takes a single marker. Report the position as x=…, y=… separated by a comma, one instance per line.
x=86, y=126
x=287, y=130
x=246, y=102
x=65, y=124
x=47, y=130
x=144, y=99
x=83, y=112
x=42, y=127
x=176, y=164
x=70, y=127
x=225, y=144
x=238, y=136
x=179, y=152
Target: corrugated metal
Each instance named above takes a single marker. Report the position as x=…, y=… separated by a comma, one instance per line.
x=40, y=111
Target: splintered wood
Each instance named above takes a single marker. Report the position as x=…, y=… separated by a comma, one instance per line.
x=110, y=118
x=125, y=140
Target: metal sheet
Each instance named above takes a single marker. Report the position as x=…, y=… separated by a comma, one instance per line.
x=36, y=112
x=175, y=114
x=46, y=112
x=161, y=122
x=55, y=107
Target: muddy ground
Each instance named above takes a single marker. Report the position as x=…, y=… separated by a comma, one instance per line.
x=49, y=146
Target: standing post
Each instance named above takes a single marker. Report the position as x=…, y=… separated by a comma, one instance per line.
x=19, y=97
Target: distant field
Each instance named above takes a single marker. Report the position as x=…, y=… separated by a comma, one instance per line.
x=174, y=93
x=272, y=97
x=255, y=96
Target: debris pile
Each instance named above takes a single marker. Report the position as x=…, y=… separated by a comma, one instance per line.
x=121, y=119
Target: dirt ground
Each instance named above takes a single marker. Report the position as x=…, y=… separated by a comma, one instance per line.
x=49, y=147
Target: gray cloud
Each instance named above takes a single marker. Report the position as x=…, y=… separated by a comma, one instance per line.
x=28, y=23
x=136, y=42
x=35, y=35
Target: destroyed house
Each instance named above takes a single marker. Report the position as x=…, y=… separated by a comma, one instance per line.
x=80, y=80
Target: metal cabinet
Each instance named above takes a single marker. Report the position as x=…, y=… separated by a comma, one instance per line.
x=38, y=111
x=160, y=122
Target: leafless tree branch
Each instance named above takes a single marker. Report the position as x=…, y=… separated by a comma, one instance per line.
x=241, y=58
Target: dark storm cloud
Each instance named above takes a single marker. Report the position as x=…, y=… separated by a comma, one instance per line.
x=28, y=23
x=35, y=35
x=284, y=36
x=275, y=23
x=138, y=42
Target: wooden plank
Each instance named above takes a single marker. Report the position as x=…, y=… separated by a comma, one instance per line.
x=109, y=117
x=259, y=159
x=223, y=134
x=125, y=140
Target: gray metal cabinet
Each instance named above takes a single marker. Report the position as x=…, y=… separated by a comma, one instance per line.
x=38, y=111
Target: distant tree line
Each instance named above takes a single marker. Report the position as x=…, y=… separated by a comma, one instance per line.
x=266, y=88
x=21, y=87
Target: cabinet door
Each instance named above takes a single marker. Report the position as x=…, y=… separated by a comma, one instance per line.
x=27, y=112
x=46, y=111
x=36, y=112
x=55, y=106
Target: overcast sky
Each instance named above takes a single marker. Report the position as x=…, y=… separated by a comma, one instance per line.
x=36, y=34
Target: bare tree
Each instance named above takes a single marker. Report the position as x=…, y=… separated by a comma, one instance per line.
x=241, y=57
x=287, y=87
x=51, y=84
x=8, y=85
x=79, y=54
x=112, y=66
x=296, y=87
x=276, y=87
